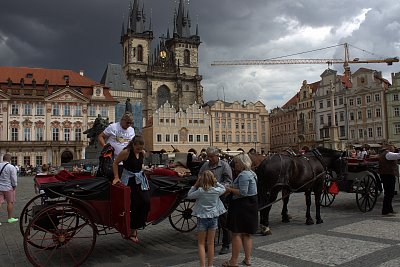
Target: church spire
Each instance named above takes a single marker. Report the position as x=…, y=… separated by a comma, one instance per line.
x=137, y=17
x=182, y=21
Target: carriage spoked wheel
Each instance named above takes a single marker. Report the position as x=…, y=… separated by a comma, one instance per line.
x=33, y=205
x=181, y=218
x=366, y=193
x=59, y=235
x=326, y=197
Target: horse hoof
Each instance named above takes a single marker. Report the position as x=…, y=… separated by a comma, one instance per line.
x=309, y=221
x=320, y=221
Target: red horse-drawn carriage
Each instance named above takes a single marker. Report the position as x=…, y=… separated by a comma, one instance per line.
x=60, y=225
x=361, y=178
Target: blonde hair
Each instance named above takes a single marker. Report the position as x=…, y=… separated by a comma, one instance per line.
x=207, y=180
x=243, y=161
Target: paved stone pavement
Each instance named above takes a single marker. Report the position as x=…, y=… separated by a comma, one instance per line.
x=347, y=237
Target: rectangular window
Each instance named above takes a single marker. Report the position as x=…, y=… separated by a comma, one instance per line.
x=92, y=110
x=104, y=112
x=55, y=133
x=321, y=119
x=67, y=110
x=176, y=139
x=191, y=139
x=39, y=134
x=351, y=116
x=377, y=97
x=39, y=160
x=249, y=138
x=378, y=131
x=14, y=109
x=395, y=97
x=78, y=134
x=360, y=133
x=358, y=101
x=368, y=99
x=243, y=138
x=56, y=109
x=217, y=138
x=237, y=126
x=396, y=128
x=27, y=160
x=321, y=104
x=328, y=103
x=223, y=138
x=67, y=134
x=378, y=112
x=78, y=110
x=39, y=109
x=14, y=160
x=27, y=109
x=167, y=138
x=242, y=126
x=351, y=102
x=205, y=137
x=198, y=138
x=370, y=132
x=396, y=112
x=342, y=131
x=216, y=125
x=341, y=101
x=159, y=139
x=369, y=113
x=27, y=134
x=237, y=138
x=248, y=126
x=359, y=115
x=352, y=134
x=14, y=134
x=341, y=114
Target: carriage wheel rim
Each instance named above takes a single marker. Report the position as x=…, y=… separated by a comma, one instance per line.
x=66, y=242
x=181, y=218
x=366, y=194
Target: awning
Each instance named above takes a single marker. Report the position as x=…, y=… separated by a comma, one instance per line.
x=356, y=145
x=374, y=145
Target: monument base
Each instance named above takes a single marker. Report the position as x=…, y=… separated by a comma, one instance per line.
x=93, y=152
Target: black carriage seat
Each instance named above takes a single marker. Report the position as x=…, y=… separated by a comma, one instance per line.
x=160, y=185
x=96, y=188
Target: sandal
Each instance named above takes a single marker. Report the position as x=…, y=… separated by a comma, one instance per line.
x=228, y=264
x=133, y=237
x=245, y=263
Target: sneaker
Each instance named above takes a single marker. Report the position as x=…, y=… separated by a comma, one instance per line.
x=224, y=250
x=12, y=220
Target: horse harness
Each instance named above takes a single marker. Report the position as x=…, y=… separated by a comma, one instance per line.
x=318, y=155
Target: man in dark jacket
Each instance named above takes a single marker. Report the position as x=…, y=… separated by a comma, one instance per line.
x=388, y=171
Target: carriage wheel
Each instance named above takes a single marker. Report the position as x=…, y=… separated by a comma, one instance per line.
x=367, y=193
x=59, y=235
x=181, y=218
x=326, y=197
x=28, y=211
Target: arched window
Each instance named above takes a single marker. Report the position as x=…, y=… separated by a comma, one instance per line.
x=186, y=57
x=163, y=95
x=140, y=53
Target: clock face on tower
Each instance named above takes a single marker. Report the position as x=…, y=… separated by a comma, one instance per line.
x=98, y=92
x=163, y=54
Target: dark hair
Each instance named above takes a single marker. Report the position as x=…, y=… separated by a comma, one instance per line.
x=136, y=140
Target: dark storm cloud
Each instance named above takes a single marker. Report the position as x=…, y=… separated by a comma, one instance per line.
x=84, y=34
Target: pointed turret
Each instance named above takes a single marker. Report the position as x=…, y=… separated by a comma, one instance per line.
x=137, y=18
x=182, y=21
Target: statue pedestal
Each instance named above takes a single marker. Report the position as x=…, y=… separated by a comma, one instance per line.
x=93, y=152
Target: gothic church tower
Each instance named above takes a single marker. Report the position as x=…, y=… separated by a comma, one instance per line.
x=170, y=73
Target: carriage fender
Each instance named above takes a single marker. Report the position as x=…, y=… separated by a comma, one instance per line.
x=87, y=209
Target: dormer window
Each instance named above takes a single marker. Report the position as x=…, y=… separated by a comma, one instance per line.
x=66, y=77
x=29, y=75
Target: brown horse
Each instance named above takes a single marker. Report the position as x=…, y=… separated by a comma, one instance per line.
x=288, y=173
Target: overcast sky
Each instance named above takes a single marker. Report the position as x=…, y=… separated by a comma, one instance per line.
x=84, y=34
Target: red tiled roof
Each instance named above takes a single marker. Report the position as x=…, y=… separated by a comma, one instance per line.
x=292, y=101
x=55, y=76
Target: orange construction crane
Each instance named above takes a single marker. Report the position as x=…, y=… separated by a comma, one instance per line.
x=345, y=62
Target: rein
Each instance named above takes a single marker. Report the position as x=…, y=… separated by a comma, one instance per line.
x=294, y=191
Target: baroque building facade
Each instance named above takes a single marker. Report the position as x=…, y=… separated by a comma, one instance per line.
x=171, y=72
x=283, y=126
x=366, y=107
x=236, y=125
x=393, y=110
x=44, y=113
x=170, y=129
x=330, y=110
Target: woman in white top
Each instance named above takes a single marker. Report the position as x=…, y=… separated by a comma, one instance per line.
x=207, y=209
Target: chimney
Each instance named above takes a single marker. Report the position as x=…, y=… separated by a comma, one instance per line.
x=81, y=73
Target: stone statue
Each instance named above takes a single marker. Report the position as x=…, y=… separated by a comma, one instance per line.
x=98, y=126
x=128, y=106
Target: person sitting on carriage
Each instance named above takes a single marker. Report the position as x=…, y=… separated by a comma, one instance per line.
x=132, y=158
x=207, y=209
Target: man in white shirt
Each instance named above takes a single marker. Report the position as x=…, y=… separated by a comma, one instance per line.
x=8, y=184
x=118, y=135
